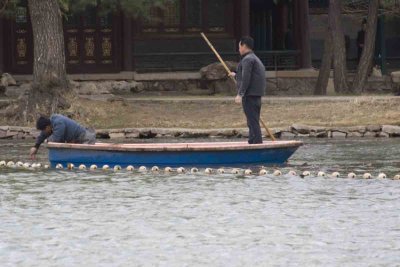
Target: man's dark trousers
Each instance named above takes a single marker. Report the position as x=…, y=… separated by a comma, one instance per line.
x=252, y=108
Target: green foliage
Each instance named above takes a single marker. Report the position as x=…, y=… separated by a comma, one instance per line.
x=389, y=8
x=390, y=3
x=8, y=7
x=132, y=8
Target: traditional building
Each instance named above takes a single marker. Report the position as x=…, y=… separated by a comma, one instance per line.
x=169, y=38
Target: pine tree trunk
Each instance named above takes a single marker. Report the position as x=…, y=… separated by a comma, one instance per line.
x=50, y=91
x=369, y=47
x=339, y=47
x=326, y=64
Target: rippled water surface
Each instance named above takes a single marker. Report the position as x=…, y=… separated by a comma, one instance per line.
x=64, y=218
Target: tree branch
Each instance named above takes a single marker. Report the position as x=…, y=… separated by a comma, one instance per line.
x=360, y=7
x=3, y=5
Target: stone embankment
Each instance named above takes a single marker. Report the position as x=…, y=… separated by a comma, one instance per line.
x=209, y=80
x=294, y=131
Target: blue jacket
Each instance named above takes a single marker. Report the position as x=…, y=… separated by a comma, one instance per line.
x=65, y=130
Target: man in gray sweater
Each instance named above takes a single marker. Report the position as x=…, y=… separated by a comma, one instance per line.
x=251, y=84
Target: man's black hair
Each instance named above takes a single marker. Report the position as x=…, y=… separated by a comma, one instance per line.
x=248, y=41
x=42, y=123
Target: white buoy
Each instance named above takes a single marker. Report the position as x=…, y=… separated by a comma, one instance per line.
x=382, y=176
x=93, y=167
x=180, y=170
x=248, y=172
x=82, y=167
x=221, y=171
x=36, y=165
x=117, y=168
x=208, y=171
x=10, y=164
x=396, y=177
x=106, y=167
x=130, y=168
x=59, y=166
x=292, y=173
x=277, y=173
x=352, y=175
x=263, y=172
x=155, y=169
x=27, y=165
x=168, y=170
x=194, y=170
x=46, y=166
x=142, y=169
x=306, y=173
x=70, y=166
x=367, y=175
x=321, y=174
x=235, y=171
x=3, y=163
x=335, y=175
x=19, y=164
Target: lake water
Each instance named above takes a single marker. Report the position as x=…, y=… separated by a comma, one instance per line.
x=72, y=218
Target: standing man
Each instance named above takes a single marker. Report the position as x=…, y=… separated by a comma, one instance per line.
x=61, y=129
x=251, y=84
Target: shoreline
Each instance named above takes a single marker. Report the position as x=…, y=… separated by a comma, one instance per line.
x=293, y=131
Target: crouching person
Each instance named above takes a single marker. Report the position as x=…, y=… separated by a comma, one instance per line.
x=61, y=129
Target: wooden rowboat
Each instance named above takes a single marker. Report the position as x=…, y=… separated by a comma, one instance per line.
x=173, y=154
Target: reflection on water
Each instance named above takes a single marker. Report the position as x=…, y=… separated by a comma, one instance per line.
x=121, y=219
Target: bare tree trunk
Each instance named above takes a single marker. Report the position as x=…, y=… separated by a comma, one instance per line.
x=48, y=37
x=50, y=89
x=339, y=47
x=369, y=47
x=326, y=64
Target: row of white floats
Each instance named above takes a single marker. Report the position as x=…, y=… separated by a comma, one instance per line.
x=181, y=170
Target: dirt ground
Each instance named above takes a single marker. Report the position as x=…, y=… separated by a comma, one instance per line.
x=189, y=113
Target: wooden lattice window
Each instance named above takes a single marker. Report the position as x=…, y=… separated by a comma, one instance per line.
x=152, y=20
x=194, y=12
x=172, y=16
x=319, y=3
x=216, y=15
x=89, y=17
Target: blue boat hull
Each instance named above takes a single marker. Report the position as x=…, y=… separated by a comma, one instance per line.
x=245, y=157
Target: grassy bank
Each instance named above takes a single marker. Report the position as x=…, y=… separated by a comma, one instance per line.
x=191, y=113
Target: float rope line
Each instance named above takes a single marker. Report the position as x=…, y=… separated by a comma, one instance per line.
x=181, y=170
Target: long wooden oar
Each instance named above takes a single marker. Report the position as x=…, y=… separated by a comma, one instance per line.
x=233, y=79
